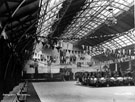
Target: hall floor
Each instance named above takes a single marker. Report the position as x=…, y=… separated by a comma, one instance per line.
x=70, y=91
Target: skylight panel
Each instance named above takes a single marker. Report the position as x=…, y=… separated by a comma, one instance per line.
x=106, y=14
x=104, y=45
x=85, y=29
x=115, y=44
x=87, y=14
x=78, y=35
x=120, y=42
x=129, y=38
x=129, y=1
x=115, y=11
x=52, y=9
x=109, y=45
x=82, y=31
x=95, y=25
x=87, y=26
x=133, y=38
x=102, y=17
x=126, y=2
x=128, y=42
x=95, y=9
x=118, y=5
x=123, y=37
x=83, y=19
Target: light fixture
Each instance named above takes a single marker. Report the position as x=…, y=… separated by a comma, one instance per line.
x=111, y=20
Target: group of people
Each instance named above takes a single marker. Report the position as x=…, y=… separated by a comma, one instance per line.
x=100, y=79
x=66, y=73
x=67, y=59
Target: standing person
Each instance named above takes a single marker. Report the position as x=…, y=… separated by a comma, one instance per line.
x=36, y=68
x=49, y=62
x=67, y=75
x=133, y=75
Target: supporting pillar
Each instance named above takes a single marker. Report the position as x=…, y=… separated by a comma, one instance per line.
x=130, y=63
x=100, y=66
x=129, y=59
x=116, y=66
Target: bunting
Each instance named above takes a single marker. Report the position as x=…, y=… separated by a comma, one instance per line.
x=83, y=47
x=93, y=37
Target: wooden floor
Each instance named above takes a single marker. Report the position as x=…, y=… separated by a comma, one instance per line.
x=12, y=94
x=72, y=92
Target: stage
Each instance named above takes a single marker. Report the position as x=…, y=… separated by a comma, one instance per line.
x=70, y=91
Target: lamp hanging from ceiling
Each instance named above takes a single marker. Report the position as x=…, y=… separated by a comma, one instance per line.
x=111, y=20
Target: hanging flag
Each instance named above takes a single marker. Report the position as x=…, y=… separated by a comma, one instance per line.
x=118, y=55
x=113, y=51
x=69, y=51
x=84, y=51
x=61, y=43
x=126, y=52
x=104, y=50
x=83, y=47
x=134, y=51
x=107, y=51
x=123, y=51
x=81, y=52
x=118, y=51
x=93, y=49
x=129, y=51
x=72, y=51
x=88, y=48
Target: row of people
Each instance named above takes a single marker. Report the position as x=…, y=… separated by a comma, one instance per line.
x=104, y=79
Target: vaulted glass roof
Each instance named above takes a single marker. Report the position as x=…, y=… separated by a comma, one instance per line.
x=93, y=14
x=126, y=39
x=48, y=15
